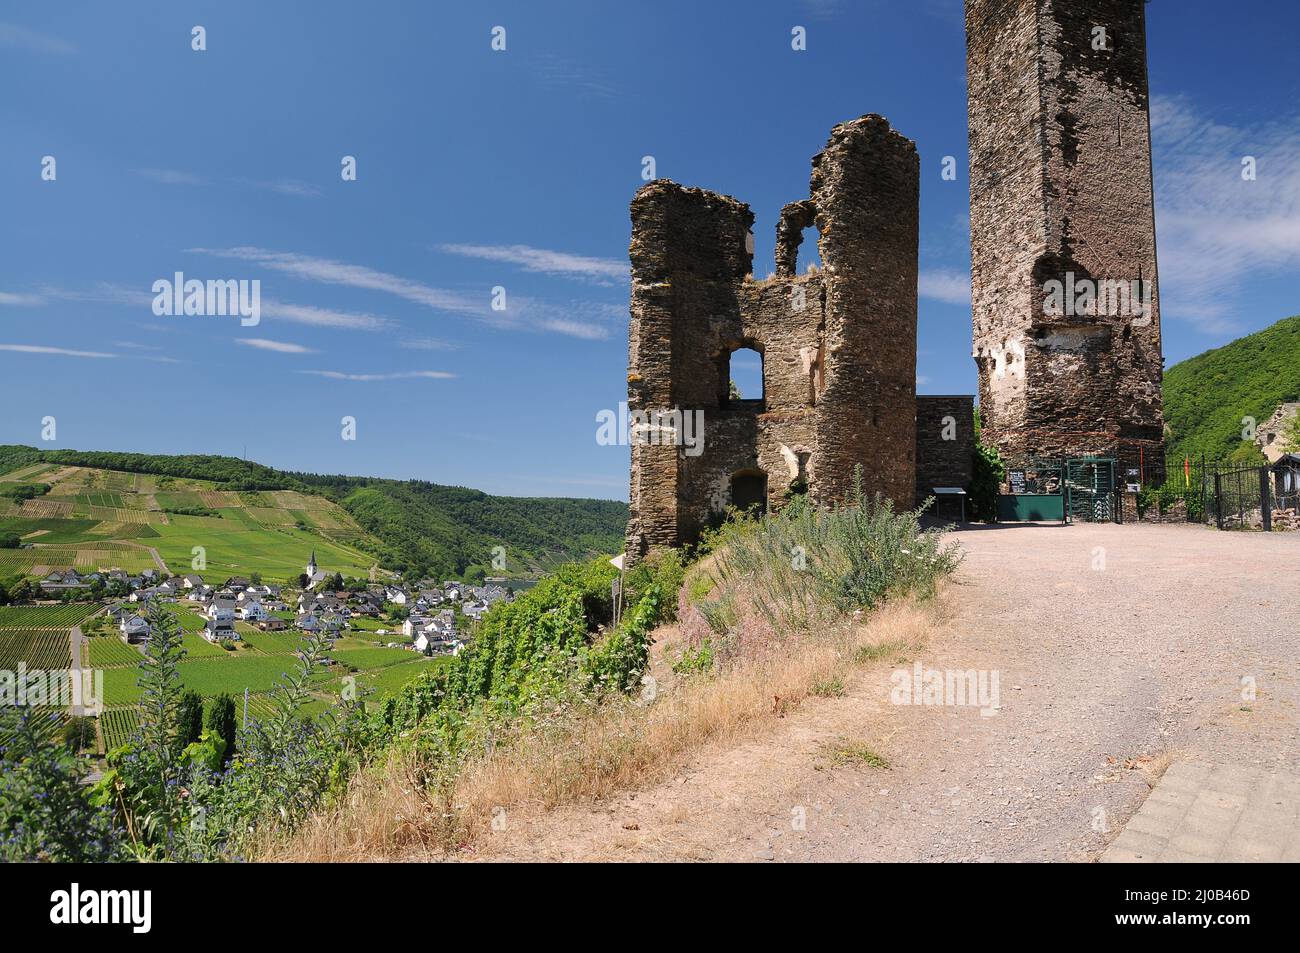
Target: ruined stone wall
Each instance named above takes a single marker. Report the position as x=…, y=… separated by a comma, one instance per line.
x=945, y=442
x=1061, y=186
x=838, y=345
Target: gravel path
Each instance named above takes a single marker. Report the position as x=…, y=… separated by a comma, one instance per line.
x=1115, y=647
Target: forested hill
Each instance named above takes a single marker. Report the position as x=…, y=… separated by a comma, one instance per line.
x=425, y=529
x=1207, y=396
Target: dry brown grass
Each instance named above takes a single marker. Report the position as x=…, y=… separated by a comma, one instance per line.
x=388, y=815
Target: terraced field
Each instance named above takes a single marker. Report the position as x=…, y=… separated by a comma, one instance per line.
x=36, y=648
x=90, y=515
x=109, y=651
x=49, y=722
x=257, y=673
x=45, y=617
x=116, y=726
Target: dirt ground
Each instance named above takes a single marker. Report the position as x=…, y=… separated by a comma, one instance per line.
x=1115, y=649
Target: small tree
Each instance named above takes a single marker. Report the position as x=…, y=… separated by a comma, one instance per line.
x=221, y=722
x=189, y=719
x=160, y=700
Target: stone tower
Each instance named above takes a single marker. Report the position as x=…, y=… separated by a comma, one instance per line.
x=838, y=345
x=1065, y=297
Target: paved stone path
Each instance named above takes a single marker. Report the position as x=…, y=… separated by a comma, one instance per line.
x=1201, y=812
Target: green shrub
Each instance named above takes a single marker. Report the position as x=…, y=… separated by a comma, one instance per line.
x=45, y=811
x=987, y=472
x=803, y=565
x=696, y=660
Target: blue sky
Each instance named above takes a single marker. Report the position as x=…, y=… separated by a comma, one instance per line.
x=478, y=169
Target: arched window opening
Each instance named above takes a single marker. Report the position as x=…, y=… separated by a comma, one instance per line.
x=740, y=378
x=749, y=491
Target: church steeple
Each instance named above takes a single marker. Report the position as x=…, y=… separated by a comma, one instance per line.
x=311, y=565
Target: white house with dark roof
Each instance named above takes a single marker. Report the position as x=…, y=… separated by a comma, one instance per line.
x=134, y=628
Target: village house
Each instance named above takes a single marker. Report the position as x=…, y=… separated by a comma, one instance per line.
x=221, y=610
x=220, y=630
x=134, y=628
x=251, y=611
x=60, y=581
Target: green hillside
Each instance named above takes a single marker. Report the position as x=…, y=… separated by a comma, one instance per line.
x=1207, y=396
x=252, y=518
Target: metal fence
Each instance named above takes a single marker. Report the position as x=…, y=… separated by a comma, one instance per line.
x=1241, y=498
x=1192, y=490
x=1224, y=494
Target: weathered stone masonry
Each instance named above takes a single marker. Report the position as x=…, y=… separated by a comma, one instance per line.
x=945, y=442
x=838, y=345
x=1060, y=153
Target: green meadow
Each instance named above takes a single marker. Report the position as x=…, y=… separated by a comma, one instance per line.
x=103, y=519
x=233, y=546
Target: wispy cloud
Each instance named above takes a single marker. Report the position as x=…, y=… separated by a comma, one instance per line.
x=563, y=73
x=104, y=294
x=545, y=261
x=324, y=317
x=588, y=320
x=392, y=376
x=139, y=347
x=280, y=347
x=576, y=329
x=328, y=271
x=18, y=299
x=822, y=9
x=270, y=308
x=42, y=349
x=22, y=38
x=1217, y=231
x=172, y=177
x=576, y=319
x=950, y=287
x=429, y=344
x=284, y=186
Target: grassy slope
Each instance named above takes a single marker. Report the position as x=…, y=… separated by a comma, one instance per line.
x=1207, y=396
x=417, y=527
x=113, y=516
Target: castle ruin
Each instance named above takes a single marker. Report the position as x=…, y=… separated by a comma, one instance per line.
x=1065, y=297
x=1065, y=300
x=838, y=344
